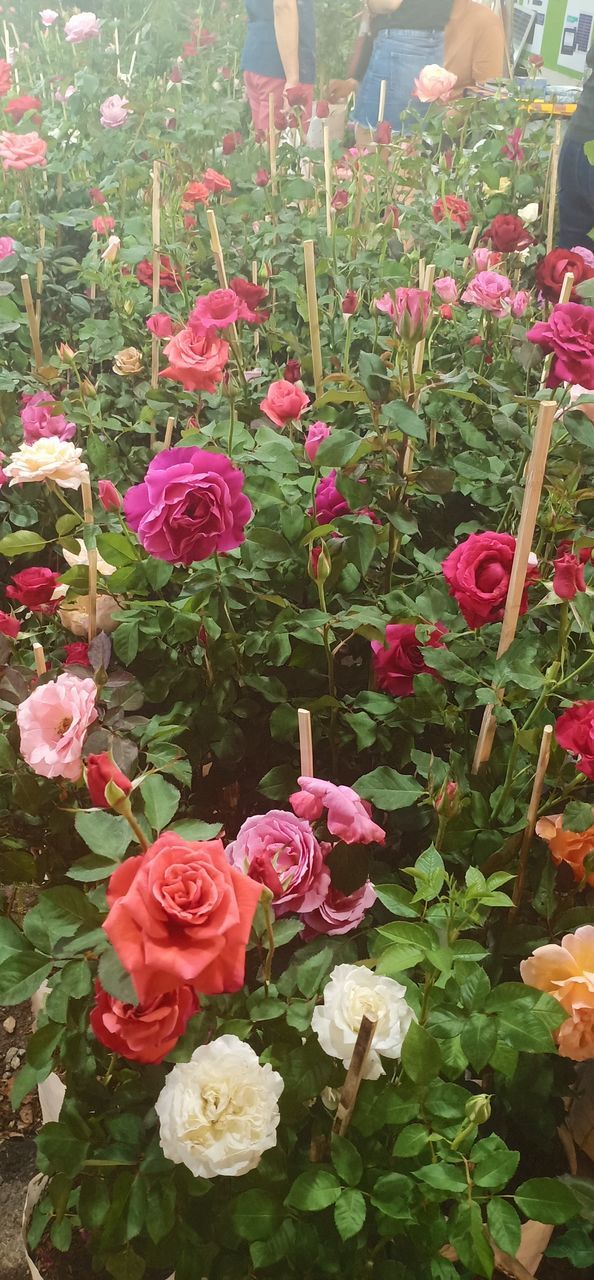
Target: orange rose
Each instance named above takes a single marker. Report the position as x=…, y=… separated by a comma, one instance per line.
x=566, y=972
x=571, y=847
x=22, y=150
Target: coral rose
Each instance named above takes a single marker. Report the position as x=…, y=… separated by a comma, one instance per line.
x=179, y=913
x=218, y=310
x=574, y=731
x=280, y=851
x=284, y=402
x=215, y=182
x=109, y=497
x=434, y=84
x=196, y=359
x=453, y=209
x=195, y=193
x=35, y=589
x=82, y=26
x=567, y=846
x=507, y=234
x=569, y=335
x=142, y=1032
x=160, y=325
x=347, y=815
x=567, y=973
x=339, y=912
x=53, y=722
x=552, y=269
x=478, y=572
x=22, y=150
x=190, y=504
x=16, y=108
x=399, y=660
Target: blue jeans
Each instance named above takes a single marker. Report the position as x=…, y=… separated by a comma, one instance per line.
x=397, y=57
x=576, y=196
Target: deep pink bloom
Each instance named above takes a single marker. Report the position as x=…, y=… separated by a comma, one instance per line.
x=284, y=402
x=484, y=259
x=7, y=247
x=339, y=912
x=103, y=225
x=569, y=334
x=160, y=325
x=412, y=314
x=446, y=289
x=9, y=625
x=218, y=309
x=347, y=816
x=520, y=303
x=399, y=660
x=340, y=199
x=385, y=304
x=39, y=420
x=262, y=178
x=35, y=588
x=568, y=577
x=317, y=432
x=280, y=850
x=96, y=195
x=574, y=732
x=512, y=149
x=478, y=571
x=329, y=503
x=109, y=497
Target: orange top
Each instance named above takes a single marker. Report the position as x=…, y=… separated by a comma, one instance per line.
x=474, y=44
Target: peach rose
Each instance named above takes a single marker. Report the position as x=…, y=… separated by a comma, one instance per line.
x=53, y=722
x=75, y=616
x=22, y=150
x=572, y=847
x=566, y=971
x=575, y=1036
x=434, y=84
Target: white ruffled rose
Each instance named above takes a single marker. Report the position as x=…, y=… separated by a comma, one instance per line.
x=529, y=213
x=351, y=992
x=219, y=1112
x=48, y=458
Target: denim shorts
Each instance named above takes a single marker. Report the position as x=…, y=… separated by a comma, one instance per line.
x=398, y=56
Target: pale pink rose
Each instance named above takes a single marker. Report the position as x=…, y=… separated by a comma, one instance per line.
x=63, y=97
x=434, y=84
x=82, y=26
x=386, y=305
x=348, y=816
x=48, y=17
x=114, y=112
x=53, y=722
x=520, y=303
x=447, y=289
x=111, y=252
x=7, y=246
x=575, y=1036
x=339, y=912
x=317, y=432
x=584, y=253
x=490, y=291
x=22, y=150
x=485, y=259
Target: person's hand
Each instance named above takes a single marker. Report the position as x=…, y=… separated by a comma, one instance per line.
x=339, y=90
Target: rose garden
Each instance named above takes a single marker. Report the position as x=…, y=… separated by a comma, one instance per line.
x=296, y=671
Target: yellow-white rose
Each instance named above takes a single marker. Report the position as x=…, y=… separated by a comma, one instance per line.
x=48, y=458
x=127, y=362
x=529, y=213
x=82, y=557
x=351, y=992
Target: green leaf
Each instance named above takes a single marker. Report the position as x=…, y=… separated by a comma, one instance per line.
x=313, y=1190
x=114, y=978
x=22, y=543
x=59, y=914
x=398, y=414
x=107, y=834
x=547, y=1200
x=160, y=1209
x=42, y=1044
x=349, y=1213
x=479, y=1039
x=468, y=1237
x=125, y=642
x=504, y=1225
x=392, y=1195
x=161, y=800
x=60, y=1151
x=346, y=1160
x=255, y=1215
x=421, y=1056
x=388, y=789
x=194, y=829
x=11, y=939
x=410, y=1141
x=429, y=874
x=396, y=899
x=281, y=1245
x=21, y=975
x=578, y=817
x=494, y=1163
x=338, y=448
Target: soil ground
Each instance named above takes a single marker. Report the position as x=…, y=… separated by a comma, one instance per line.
x=17, y=1142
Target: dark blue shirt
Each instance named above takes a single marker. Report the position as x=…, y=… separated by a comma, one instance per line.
x=260, y=51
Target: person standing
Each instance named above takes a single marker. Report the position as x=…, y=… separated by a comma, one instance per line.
x=407, y=35
x=474, y=44
x=576, y=174
x=279, y=57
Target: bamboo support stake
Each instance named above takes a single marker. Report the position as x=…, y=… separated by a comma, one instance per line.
x=382, y=101
x=306, y=760
x=354, y=1076
x=32, y=322
x=156, y=227
x=553, y=185
x=39, y=277
x=116, y=43
x=215, y=244
x=256, y=328
x=272, y=144
x=169, y=432
x=39, y=659
x=87, y=498
x=327, y=176
x=471, y=246
x=6, y=42
x=133, y=58
x=427, y=285
x=532, y=492
x=527, y=838
x=313, y=315
x=94, y=248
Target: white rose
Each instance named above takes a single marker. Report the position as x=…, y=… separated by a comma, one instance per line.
x=219, y=1112
x=351, y=992
x=529, y=213
x=48, y=459
x=82, y=557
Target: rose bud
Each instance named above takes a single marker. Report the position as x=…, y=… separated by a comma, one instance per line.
x=447, y=800
x=392, y=216
x=383, y=133
x=9, y=625
x=292, y=371
x=262, y=178
x=412, y=314
x=476, y=341
x=569, y=576
x=322, y=109
x=350, y=302
x=100, y=771
x=445, y=311
x=320, y=565
x=109, y=497
x=340, y=199
x=65, y=352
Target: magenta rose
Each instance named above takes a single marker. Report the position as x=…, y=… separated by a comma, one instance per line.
x=190, y=504
x=217, y=310
x=399, y=660
x=280, y=851
x=340, y=912
x=574, y=732
x=39, y=419
x=477, y=572
x=569, y=335
x=329, y=503
x=317, y=432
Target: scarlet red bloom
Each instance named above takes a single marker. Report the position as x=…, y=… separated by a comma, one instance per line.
x=170, y=280
x=350, y=302
x=298, y=95
x=215, y=182
x=100, y=770
x=568, y=577
x=103, y=225
x=34, y=588
x=195, y=193
x=77, y=654
x=322, y=109
x=97, y=196
x=231, y=142
x=453, y=208
x=399, y=660
x=574, y=732
x=16, y=108
x=507, y=234
x=262, y=178
x=551, y=271
x=292, y=371
x=9, y=625
x=109, y=497
x=251, y=297
x=446, y=311
x=143, y=1032
x=383, y=133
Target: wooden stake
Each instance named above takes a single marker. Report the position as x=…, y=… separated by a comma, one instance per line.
x=32, y=322
x=215, y=244
x=354, y=1076
x=553, y=184
x=471, y=246
x=427, y=285
x=94, y=251
x=306, y=759
x=116, y=43
x=532, y=491
x=272, y=144
x=527, y=838
x=256, y=329
x=566, y=287
x=133, y=59
x=39, y=659
x=169, y=432
x=327, y=176
x=382, y=101
x=87, y=498
x=156, y=224
x=39, y=278
x=313, y=316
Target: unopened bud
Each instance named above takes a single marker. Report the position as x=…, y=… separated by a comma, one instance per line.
x=320, y=564
x=478, y=1108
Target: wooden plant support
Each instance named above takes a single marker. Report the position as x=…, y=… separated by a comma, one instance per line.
x=327, y=176
x=552, y=209
x=156, y=221
x=133, y=58
x=215, y=244
x=32, y=323
x=272, y=144
x=39, y=659
x=427, y=285
x=527, y=838
x=354, y=1076
x=313, y=316
x=116, y=45
x=256, y=329
x=471, y=246
x=306, y=757
x=87, y=498
x=39, y=278
x=169, y=433
x=93, y=290
x=532, y=492
x=382, y=102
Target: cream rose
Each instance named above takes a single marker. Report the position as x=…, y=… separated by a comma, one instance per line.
x=127, y=362
x=48, y=458
x=351, y=992
x=82, y=558
x=219, y=1112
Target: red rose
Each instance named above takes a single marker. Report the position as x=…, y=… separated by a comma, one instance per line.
x=231, y=142
x=453, y=208
x=34, y=588
x=169, y=278
x=399, y=660
x=195, y=193
x=284, y=402
x=103, y=225
x=16, y=108
x=262, y=178
x=292, y=371
x=507, y=234
x=251, y=296
x=142, y=1032
x=477, y=573
x=552, y=269
x=568, y=578
x=298, y=95
x=340, y=199
x=350, y=302
x=97, y=196
x=180, y=913
x=574, y=732
x=109, y=497
x=445, y=311
x=100, y=770
x=383, y=133
x=77, y=654
x=215, y=181
x=322, y=109
x=569, y=334
x=9, y=625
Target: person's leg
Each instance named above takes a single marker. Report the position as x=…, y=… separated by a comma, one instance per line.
x=258, y=89
x=576, y=197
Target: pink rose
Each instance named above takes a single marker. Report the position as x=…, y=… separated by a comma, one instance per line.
x=348, y=816
x=103, y=224
x=568, y=577
x=82, y=26
x=434, y=84
x=569, y=335
x=109, y=497
x=196, y=359
x=178, y=913
x=218, y=310
x=251, y=296
x=490, y=291
x=412, y=314
x=328, y=501
x=339, y=912
x=399, y=660
x=48, y=17
x=22, y=150
x=142, y=1032
x=160, y=325
x=7, y=247
x=280, y=851
x=574, y=731
x=284, y=402
x=478, y=571
x=317, y=432
x=520, y=303
x=114, y=112
x=484, y=259
x=447, y=289
x=189, y=505
x=584, y=253
x=385, y=304
x=39, y=419
x=53, y=722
